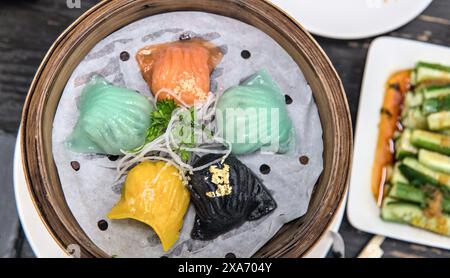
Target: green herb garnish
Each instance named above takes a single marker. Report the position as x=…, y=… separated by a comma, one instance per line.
x=160, y=118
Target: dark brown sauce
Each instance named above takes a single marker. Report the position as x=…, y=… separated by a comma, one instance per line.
x=386, y=112
x=395, y=86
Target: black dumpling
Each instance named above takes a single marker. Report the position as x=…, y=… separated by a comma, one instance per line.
x=249, y=199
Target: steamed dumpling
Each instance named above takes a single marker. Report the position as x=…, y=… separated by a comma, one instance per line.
x=254, y=115
x=154, y=194
x=111, y=119
x=182, y=67
x=226, y=195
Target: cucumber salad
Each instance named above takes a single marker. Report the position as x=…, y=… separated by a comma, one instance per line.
x=411, y=172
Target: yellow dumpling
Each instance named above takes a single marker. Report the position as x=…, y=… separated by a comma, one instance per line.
x=154, y=194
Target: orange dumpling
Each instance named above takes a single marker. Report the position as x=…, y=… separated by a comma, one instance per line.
x=182, y=67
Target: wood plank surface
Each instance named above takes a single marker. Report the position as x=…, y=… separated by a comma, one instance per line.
x=10, y=221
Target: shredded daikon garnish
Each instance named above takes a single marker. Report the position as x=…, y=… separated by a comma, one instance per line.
x=167, y=147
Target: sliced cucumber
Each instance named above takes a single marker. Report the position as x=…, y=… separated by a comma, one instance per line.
x=413, y=100
x=414, y=118
x=434, y=105
x=428, y=71
x=413, y=170
x=397, y=176
x=416, y=171
x=435, y=161
x=435, y=91
x=403, y=146
x=403, y=212
x=431, y=106
x=439, y=121
x=408, y=192
x=446, y=205
x=431, y=141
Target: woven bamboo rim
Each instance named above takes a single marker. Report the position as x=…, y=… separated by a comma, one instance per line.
x=294, y=239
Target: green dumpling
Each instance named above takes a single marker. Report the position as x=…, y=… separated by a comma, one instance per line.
x=253, y=115
x=111, y=119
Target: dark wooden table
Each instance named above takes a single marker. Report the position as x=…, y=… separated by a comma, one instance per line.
x=28, y=28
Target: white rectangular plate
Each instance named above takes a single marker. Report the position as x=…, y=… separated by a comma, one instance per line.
x=386, y=55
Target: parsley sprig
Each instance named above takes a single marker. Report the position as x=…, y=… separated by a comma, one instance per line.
x=160, y=119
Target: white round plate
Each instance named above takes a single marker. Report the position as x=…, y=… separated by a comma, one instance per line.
x=352, y=19
x=44, y=246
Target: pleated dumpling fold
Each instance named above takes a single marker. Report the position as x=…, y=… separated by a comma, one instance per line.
x=154, y=194
x=226, y=195
x=254, y=115
x=111, y=119
x=181, y=67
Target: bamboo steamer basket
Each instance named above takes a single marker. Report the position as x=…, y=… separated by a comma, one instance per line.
x=294, y=239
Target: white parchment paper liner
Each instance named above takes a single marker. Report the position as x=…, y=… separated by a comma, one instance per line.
x=88, y=191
